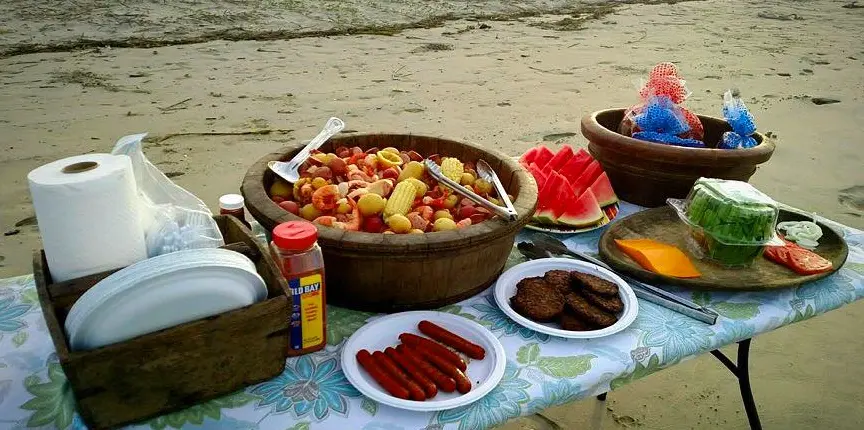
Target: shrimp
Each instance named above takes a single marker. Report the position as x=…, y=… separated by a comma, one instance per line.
x=358, y=175
x=329, y=221
x=353, y=223
x=324, y=198
x=426, y=212
x=353, y=195
x=349, y=221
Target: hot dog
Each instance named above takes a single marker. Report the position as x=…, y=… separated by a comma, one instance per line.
x=414, y=340
x=451, y=339
x=413, y=371
x=444, y=382
x=385, y=363
x=365, y=359
x=463, y=384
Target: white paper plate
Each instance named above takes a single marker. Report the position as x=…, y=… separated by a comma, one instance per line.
x=505, y=288
x=380, y=333
x=163, y=292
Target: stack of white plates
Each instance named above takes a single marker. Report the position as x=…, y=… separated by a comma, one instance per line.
x=163, y=292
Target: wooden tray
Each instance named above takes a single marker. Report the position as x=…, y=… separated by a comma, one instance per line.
x=663, y=224
x=177, y=367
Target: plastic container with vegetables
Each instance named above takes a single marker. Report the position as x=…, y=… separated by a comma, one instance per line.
x=731, y=222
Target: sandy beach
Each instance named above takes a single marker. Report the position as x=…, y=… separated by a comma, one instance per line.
x=508, y=80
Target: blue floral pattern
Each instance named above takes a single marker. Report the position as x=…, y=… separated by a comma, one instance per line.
x=308, y=387
x=676, y=336
x=11, y=312
x=313, y=393
x=502, y=403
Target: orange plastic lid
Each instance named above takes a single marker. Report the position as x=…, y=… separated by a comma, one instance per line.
x=295, y=235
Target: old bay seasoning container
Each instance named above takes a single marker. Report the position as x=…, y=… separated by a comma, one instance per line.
x=296, y=251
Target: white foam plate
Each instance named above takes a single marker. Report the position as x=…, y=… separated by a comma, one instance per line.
x=163, y=292
x=505, y=288
x=380, y=333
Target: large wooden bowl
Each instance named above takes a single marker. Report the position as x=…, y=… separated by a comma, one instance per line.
x=392, y=273
x=647, y=173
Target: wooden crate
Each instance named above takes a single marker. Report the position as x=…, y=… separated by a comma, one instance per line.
x=178, y=367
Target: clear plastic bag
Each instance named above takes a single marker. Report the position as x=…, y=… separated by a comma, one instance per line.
x=174, y=219
x=741, y=121
x=664, y=83
x=730, y=222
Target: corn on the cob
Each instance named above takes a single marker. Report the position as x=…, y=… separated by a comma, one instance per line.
x=452, y=168
x=400, y=200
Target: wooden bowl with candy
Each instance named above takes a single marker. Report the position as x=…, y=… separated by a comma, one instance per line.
x=647, y=173
x=353, y=190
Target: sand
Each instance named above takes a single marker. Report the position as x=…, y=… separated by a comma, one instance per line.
x=213, y=108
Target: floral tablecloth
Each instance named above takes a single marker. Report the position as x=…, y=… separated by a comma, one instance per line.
x=542, y=371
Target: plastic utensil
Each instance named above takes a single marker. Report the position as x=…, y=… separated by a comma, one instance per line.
x=485, y=171
x=435, y=171
x=290, y=171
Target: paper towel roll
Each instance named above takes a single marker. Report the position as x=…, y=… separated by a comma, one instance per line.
x=88, y=211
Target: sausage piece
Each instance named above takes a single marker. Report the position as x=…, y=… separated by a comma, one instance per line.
x=385, y=363
x=463, y=384
x=414, y=340
x=444, y=382
x=451, y=339
x=413, y=371
x=365, y=359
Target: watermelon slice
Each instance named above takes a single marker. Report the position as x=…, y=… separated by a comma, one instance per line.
x=581, y=212
x=547, y=171
x=528, y=157
x=561, y=157
x=588, y=176
x=539, y=176
x=576, y=165
x=603, y=191
x=544, y=155
x=547, y=199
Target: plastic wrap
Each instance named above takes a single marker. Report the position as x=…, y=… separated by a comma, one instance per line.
x=664, y=82
x=730, y=222
x=741, y=121
x=662, y=121
x=173, y=218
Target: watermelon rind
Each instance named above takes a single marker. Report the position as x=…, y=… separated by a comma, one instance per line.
x=603, y=191
x=581, y=212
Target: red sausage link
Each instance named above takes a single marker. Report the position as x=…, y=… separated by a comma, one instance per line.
x=414, y=372
x=365, y=359
x=413, y=340
x=463, y=384
x=385, y=363
x=444, y=382
x=451, y=339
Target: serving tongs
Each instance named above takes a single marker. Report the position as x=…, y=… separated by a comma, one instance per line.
x=290, y=171
x=506, y=213
x=547, y=246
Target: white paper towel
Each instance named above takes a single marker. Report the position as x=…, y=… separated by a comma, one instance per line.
x=88, y=214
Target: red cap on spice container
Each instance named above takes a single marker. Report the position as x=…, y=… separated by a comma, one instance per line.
x=295, y=235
